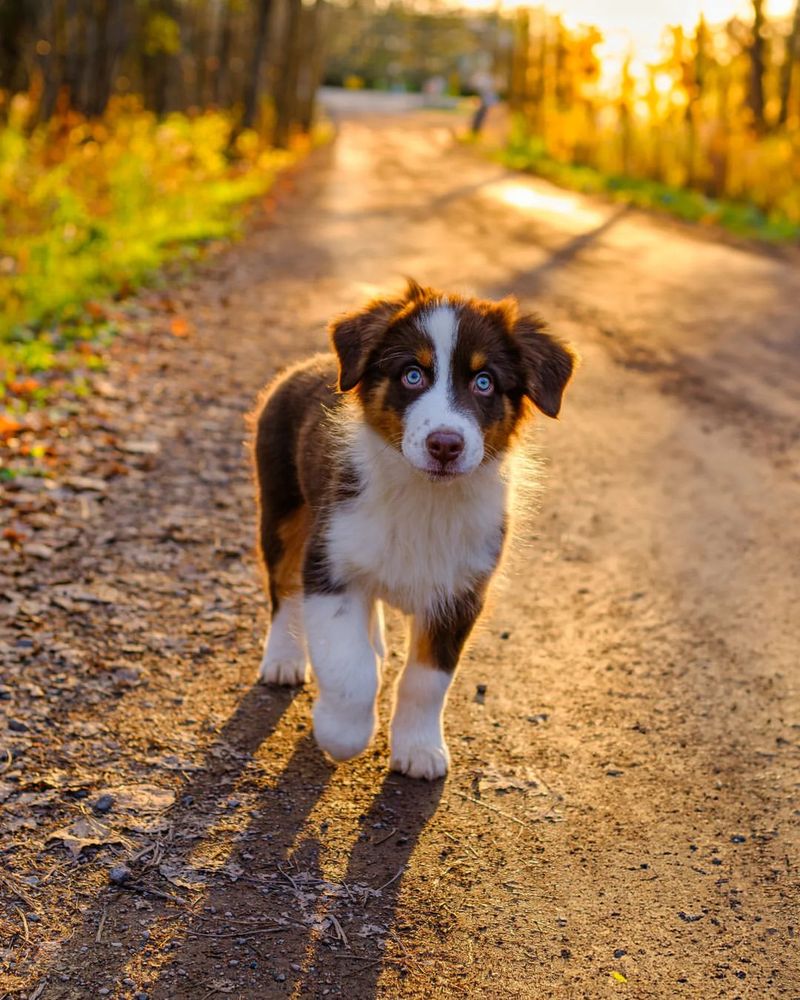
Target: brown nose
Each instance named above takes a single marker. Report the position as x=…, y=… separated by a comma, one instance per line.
x=445, y=446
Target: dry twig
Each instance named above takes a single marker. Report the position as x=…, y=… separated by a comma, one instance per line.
x=99, y=936
x=500, y=812
x=24, y=920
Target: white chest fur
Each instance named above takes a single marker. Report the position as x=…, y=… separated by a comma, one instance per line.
x=410, y=541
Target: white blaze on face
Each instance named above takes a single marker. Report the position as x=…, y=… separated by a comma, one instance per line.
x=435, y=410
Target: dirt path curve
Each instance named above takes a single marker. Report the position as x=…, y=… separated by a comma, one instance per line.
x=622, y=815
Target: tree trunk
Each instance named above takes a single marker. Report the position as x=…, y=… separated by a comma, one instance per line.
x=286, y=90
x=221, y=90
x=112, y=34
x=311, y=64
x=757, y=66
x=787, y=69
x=253, y=82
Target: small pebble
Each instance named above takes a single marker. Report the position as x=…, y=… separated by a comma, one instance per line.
x=119, y=874
x=103, y=804
x=103, y=991
x=620, y=952
x=737, y=838
x=505, y=635
x=33, y=918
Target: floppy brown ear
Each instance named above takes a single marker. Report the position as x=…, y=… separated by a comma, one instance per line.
x=548, y=364
x=354, y=335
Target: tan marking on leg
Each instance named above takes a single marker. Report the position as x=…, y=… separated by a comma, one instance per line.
x=293, y=532
x=421, y=650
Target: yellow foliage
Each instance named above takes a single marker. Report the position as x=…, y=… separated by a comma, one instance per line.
x=686, y=122
x=88, y=207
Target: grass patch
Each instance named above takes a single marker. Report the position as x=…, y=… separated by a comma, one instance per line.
x=90, y=211
x=527, y=153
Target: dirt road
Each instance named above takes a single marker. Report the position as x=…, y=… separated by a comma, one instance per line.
x=622, y=814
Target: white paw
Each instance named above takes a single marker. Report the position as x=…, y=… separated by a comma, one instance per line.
x=419, y=760
x=290, y=670
x=343, y=731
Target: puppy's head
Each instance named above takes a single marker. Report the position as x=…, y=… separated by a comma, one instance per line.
x=448, y=380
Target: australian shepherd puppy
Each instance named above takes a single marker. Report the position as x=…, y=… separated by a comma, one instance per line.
x=381, y=476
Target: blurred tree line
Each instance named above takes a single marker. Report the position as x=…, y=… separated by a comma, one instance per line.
x=403, y=46
x=264, y=57
x=718, y=112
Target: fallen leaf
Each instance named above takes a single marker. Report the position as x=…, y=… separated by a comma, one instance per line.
x=141, y=799
x=88, y=483
x=8, y=425
x=95, y=310
x=100, y=594
x=501, y=784
x=140, y=447
x=233, y=871
x=84, y=832
x=39, y=551
x=181, y=875
x=180, y=327
x=14, y=535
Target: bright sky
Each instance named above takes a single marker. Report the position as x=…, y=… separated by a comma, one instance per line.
x=640, y=22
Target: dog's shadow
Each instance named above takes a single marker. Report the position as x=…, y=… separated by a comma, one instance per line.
x=268, y=922
x=336, y=934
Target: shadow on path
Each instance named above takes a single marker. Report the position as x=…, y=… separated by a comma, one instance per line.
x=529, y=283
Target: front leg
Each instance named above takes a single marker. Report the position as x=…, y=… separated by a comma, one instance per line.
x=338, y=631
x=417, y=735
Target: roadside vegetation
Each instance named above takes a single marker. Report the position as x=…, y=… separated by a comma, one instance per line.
x=709, y=131
x=120, y=152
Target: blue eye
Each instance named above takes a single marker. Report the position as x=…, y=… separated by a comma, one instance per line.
x=413, y=377
x=483, y=384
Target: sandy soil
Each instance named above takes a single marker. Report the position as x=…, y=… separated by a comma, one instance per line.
x=622, y=814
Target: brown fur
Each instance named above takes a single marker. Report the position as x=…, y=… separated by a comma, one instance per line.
x=385, y=420
x=293, y=533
